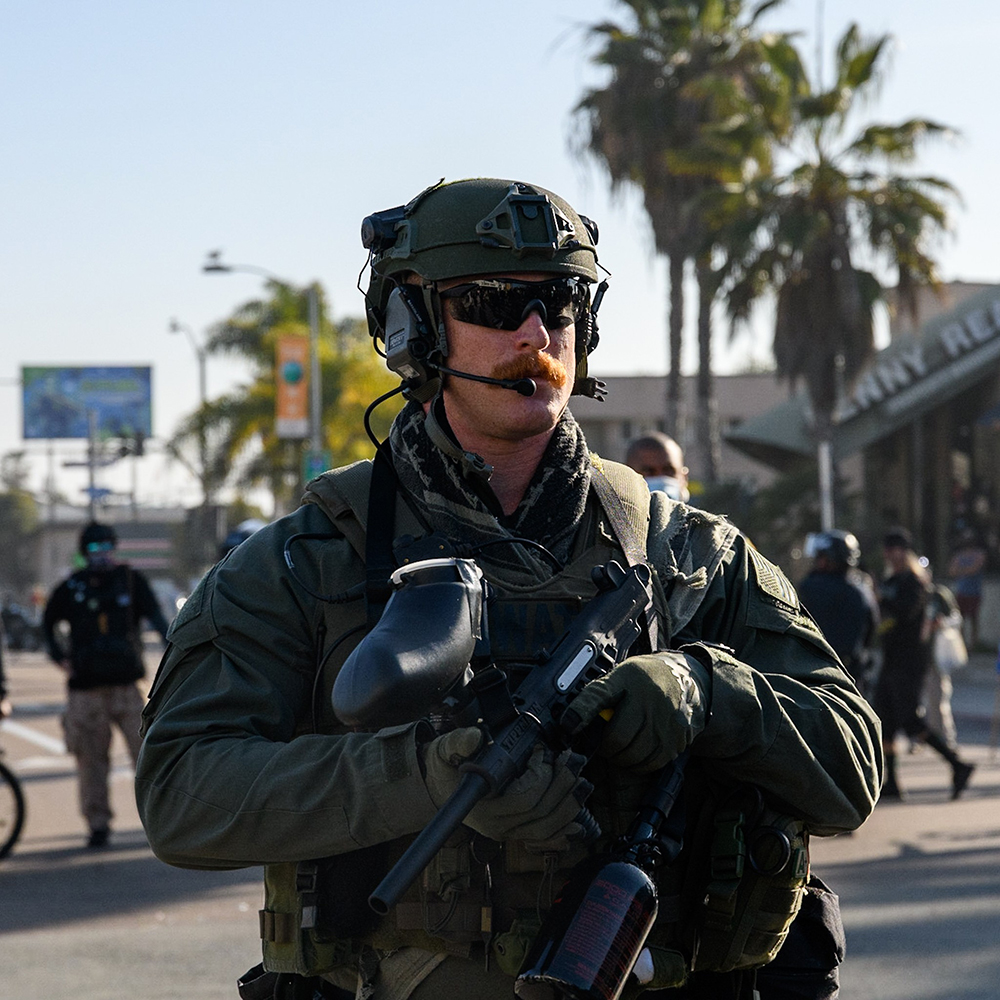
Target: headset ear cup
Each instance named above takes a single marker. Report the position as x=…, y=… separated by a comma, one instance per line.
x=409, y=341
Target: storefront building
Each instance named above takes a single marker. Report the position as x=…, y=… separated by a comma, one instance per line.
x=925, y=420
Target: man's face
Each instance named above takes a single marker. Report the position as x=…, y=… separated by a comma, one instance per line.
x=662, y=466
x=100, y=555
x=543, y=352
x=657, y=461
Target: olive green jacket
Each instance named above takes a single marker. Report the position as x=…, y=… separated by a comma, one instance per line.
x=231, y=775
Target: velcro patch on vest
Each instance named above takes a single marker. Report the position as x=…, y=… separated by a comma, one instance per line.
x=773, y=582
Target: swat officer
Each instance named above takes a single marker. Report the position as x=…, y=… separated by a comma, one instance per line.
x=104, y=605
x=481, y=298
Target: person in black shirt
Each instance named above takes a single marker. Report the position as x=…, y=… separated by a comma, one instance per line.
x=104, y=605
x=906, y=658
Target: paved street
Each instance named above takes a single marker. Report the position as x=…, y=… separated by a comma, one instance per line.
x=919, y=883
x=115, y=923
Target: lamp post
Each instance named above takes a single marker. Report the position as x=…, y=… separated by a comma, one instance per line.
x=199, y=350
x=208, y=531
x=213, y=265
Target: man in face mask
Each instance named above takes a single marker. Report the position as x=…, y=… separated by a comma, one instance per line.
x=103, y=604
x=659, y=459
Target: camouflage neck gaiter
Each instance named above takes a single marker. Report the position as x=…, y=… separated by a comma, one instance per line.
x=549, y=512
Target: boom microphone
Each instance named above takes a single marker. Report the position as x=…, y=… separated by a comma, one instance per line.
x=524, y=386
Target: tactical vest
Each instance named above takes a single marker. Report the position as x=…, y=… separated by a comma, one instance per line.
x=315, y=915
x=106, y=642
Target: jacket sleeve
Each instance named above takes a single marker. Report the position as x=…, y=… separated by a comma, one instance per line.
x=226, y=777
x=56, y=610
x=148, y=606
x=784, y=714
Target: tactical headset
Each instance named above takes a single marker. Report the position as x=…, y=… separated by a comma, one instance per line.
x=462, y=229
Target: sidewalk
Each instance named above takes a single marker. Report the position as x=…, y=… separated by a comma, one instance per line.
x=976, y=688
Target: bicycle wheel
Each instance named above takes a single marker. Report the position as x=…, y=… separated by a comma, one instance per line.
x=11, y=809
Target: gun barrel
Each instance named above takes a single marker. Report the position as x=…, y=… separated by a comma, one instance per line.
x=428, y=842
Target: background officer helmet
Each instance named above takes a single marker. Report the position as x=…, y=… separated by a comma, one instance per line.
x=97, y=538
x=482, y=226
x=840, y=547
x=240, y=533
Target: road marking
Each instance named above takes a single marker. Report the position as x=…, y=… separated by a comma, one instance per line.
x=26, y=764
x=49, y=743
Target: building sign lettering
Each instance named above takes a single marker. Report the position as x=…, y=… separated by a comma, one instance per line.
x=913, y=362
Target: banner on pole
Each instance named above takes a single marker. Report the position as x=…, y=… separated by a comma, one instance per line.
x=291, y=418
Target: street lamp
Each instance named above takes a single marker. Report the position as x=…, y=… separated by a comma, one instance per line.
x=214, y=265
x=199, y=349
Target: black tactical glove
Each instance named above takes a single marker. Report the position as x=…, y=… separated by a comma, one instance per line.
x=542, y=805
x=658, y=707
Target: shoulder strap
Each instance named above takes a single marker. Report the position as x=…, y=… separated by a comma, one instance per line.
x=356, y=496
x=342, y=494
x=624, y=496
x=379, y=558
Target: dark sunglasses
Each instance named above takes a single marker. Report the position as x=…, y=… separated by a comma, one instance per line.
x=504, y=304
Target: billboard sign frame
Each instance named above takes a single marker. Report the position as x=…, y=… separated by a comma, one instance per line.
x=57, y=401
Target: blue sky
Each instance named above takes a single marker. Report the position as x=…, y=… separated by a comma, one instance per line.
x=139, y=135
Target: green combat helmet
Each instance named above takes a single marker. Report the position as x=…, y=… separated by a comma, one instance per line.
x=464, y=229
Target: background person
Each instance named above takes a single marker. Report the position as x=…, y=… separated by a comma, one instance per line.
x=659, y=459
x=478, y=287
x=103, y=605
x=841, y=599
x=906, y=657
x=942, y=613
x=965, y=569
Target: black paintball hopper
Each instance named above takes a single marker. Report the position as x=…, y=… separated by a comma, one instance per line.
x=420, y=647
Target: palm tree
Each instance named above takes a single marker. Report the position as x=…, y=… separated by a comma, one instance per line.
x=690, y=106
x=244, y=450
x=839, y=208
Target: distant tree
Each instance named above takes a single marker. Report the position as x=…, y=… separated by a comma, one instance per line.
x=18, y=524
x=244, y=450
x=691, y=106
x=15, y=471
x=818, y=228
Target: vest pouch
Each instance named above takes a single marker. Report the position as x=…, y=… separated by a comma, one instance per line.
x=288, y=946
x=748, y=889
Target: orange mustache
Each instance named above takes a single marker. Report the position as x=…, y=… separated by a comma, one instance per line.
x=533, y=366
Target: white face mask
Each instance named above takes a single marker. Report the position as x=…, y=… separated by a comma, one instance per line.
x=674, y=488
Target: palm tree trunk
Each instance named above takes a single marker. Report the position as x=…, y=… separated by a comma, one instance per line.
x=707, y=417
x=675, y=325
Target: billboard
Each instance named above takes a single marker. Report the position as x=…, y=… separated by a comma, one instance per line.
x=57, y=401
